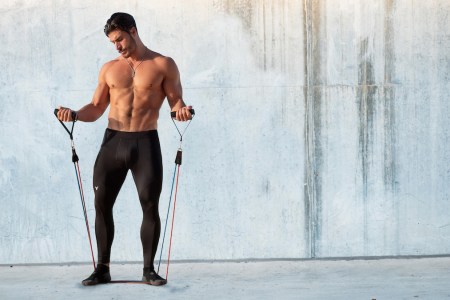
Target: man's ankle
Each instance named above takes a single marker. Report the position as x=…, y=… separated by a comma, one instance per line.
x=102, y=267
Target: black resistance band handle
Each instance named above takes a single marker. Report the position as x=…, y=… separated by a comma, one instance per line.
x=74, y=114
x=173, y=114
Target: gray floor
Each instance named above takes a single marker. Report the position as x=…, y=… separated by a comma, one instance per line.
x=424, y=278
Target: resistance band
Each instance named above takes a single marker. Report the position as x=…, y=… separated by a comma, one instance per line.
x=176, y=171
x=78, y=174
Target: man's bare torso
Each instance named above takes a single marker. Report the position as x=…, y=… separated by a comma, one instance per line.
x=135, y=102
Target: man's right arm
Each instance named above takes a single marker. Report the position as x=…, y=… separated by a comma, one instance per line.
x=94, y=110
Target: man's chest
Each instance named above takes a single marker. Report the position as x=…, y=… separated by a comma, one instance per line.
x=144, y=77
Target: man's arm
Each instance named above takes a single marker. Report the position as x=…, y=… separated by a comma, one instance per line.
x=173, y=90
x=94, y=110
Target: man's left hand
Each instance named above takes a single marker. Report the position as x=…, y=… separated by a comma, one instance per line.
x=184, y=114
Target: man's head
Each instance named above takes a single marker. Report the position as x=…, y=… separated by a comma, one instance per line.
x=122, y=32
x=121, y=21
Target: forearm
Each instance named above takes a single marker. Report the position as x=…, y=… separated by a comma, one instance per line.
x=90, y=113
x=177, y=104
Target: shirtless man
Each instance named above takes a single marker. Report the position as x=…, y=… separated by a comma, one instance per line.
x=134, y=85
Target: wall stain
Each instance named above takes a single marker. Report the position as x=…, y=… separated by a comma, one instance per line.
x=241, y=8
x=313, y=50
x=260, y=18
x=266, y=25
x=389, y=169
x=308, y=184
x=366, y=96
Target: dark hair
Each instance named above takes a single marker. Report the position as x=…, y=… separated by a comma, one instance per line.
x=119, y=20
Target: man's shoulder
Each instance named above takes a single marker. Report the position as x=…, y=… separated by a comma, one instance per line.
x=166, y=63
x=161, y=59
x=112, y=62
x=105, y=69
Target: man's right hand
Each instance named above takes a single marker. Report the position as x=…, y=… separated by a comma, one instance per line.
x=183, y=114
x=65, y=114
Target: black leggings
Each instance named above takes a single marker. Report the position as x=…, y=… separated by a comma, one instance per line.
x=121, y=151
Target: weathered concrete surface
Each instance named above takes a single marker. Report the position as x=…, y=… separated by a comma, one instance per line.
x=378, y=80
x=321, y=127
x=319, y=280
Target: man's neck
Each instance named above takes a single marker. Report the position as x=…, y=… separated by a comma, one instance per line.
x=139, y=54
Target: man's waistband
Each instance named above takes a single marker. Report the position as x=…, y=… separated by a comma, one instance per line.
x=132, y=134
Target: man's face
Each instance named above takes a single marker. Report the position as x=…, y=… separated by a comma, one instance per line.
x=123, y=41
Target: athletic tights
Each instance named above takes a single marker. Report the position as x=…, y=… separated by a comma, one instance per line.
x=121, y=151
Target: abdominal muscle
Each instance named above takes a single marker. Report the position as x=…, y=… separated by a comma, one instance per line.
x=134, y=110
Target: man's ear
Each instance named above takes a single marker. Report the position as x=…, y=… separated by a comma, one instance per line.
x=133, y=31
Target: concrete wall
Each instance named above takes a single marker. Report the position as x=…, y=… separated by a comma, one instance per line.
x=321, y=127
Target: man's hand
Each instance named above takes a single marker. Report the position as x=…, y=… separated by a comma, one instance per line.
x=183, y=114
x=65, y=114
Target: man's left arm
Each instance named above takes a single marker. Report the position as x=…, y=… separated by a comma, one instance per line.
x=174, y=91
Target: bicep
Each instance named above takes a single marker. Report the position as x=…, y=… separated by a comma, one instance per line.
x=101, y=94
x=172, y=83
